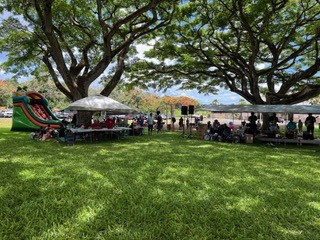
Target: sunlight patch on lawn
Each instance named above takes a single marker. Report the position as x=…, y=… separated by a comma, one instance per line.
x=178, y=171
x=158, y=192
x=27, y=174
x=3, y=192
x=244, y=204
x=204, y=146
x=292, y=233
x=315, y=205
x=87, y=213
x=91, y=173
x=170, y=181
x=202, y=195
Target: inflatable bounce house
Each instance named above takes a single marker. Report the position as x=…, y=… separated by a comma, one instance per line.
x=31, y=111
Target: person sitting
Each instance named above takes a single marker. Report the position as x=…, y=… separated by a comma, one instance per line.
x=141, y=121
x=231, y=126
x=274, y=129
x=109, y=123
x=49, y=133
x=95, y=124
x=62, y=132
x=291, y=129
x=38, y=135
x=258, y=125
x=243, y=125
x=216, y=124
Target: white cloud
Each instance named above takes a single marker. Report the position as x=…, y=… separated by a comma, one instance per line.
x=141, y=48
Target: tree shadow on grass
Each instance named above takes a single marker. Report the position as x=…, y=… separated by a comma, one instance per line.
x=158, y=187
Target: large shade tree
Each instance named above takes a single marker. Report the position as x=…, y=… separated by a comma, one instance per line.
x=75, y=41
x=267, y=51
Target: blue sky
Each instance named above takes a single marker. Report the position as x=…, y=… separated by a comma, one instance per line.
x=224, y=97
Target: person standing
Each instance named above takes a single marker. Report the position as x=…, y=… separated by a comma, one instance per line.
x=181, y=123
x=159, y=122
x=309, y=122
x=150, y=124
x=300, y=126
x=173, y=120
x=253, y=125
x=74, y=120
x=253, y=118
x=273, y=119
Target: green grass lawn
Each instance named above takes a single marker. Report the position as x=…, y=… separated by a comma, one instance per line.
x=157, y=187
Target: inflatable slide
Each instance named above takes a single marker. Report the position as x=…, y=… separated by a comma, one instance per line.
x=31, y=111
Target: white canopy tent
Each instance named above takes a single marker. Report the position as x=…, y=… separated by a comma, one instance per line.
x=287, y=109
x=97, y=103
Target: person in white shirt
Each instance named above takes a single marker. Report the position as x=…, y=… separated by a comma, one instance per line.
x=150, y=124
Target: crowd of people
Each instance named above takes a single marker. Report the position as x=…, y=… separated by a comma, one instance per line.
x=154, y=122
x=253, y=126
x=138, y=123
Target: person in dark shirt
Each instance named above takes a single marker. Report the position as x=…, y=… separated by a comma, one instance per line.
x=252, y=123
x=181, y=123
x=159, y=122
x=253, y=118
x=309, y=122
x=273, y=119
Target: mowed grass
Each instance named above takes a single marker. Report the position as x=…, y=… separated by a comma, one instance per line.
x=157, y=187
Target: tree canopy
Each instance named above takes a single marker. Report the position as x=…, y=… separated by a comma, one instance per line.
x=266, y=51
x=147, y=102
x=6, y=88
x=77, y=41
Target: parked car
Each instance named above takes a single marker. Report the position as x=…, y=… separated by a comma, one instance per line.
x=62, y=115
x=7, y=113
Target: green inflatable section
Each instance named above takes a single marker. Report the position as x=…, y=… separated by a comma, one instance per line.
x=25, y=117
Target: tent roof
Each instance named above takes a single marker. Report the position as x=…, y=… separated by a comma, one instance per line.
x=100, y=103
x=263, y=108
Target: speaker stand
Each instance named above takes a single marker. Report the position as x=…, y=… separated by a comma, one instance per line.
x=183, y=128
x=190, y=128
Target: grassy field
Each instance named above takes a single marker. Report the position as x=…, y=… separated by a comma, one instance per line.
x=157, y=187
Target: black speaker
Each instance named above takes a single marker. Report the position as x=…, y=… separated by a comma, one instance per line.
x=184, y=110
x=191, y=109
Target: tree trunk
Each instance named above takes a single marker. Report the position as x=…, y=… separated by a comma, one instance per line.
x=265, y=122
x=84, y=117
x=172, y=110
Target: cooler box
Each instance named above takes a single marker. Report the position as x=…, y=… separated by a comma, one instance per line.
x=248, y=138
